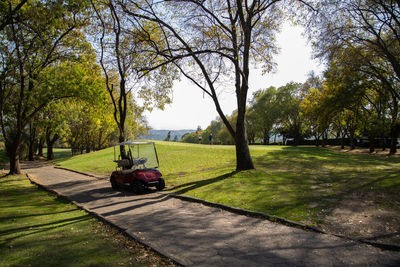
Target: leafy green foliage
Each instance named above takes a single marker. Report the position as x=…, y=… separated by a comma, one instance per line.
x=42, y=35
x=278, y=110
x=123, y=51
x=360, y=41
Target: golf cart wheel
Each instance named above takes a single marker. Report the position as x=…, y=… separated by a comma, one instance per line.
x=161, y=184
x=138, y=187
x=114, y=183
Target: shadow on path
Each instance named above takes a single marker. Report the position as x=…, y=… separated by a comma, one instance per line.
x=197, y=184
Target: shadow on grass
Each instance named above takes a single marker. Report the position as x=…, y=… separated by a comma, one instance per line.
x=197, y=184
x=4, y=176
x=47, y=226
x=22, y=232
x=34, y=215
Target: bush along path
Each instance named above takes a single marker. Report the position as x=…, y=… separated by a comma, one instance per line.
x=196, y=235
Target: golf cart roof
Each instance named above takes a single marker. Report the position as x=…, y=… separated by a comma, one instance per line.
x=134, y=143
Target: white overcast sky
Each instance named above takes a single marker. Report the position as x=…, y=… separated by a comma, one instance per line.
x=189, y=109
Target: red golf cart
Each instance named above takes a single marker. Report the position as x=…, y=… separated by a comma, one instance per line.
x=137, y=166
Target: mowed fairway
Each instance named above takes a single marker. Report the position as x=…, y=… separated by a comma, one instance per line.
x=298, y=183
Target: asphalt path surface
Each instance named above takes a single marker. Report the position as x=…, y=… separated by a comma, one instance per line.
x=193, y=234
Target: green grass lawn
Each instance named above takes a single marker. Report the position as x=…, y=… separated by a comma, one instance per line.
x=59, y=153
x=39, y=229
x=287, y=182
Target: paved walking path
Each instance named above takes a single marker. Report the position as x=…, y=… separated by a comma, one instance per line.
x=196, y=235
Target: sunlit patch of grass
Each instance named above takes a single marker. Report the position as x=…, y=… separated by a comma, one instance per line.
x=59, y=154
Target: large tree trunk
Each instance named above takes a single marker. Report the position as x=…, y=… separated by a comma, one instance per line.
x=40, y=147
x=121, y=139
x=31, y=151
x=243, y=158
x=13, y=151
x=371, y=144
x=394, y=126
x=394, y=134
x=383, y=133
x=50, y=143
x=296, y=135
x=316, y=136
x=342, y=139
x=15, y=168
x=50, y=152
x=324, y=138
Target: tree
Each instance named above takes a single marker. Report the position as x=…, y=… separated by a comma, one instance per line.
x=357, y=81
x=37, y=36
x=264, y=112
x=121, y=45
x=87, y=129
x=290, y=122
x=370, y=24
x=368, y=29
x=189, y=138
x=310, y=110
x=220, y=134
x=7, y=12
x=212, y=43
x=84, y=82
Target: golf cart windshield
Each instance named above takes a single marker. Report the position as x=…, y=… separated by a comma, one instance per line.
x=136, y=155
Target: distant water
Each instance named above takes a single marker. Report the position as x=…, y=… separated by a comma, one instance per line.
x=162, y=134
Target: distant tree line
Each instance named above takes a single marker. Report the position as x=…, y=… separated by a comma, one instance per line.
x=314, y=112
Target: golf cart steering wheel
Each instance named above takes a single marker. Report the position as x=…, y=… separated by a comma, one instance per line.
x=141, y=161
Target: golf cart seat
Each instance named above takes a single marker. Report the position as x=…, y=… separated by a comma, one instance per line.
x=124, y=163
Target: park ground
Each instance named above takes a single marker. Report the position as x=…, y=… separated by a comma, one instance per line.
x=345, y=192
x=352, y=193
